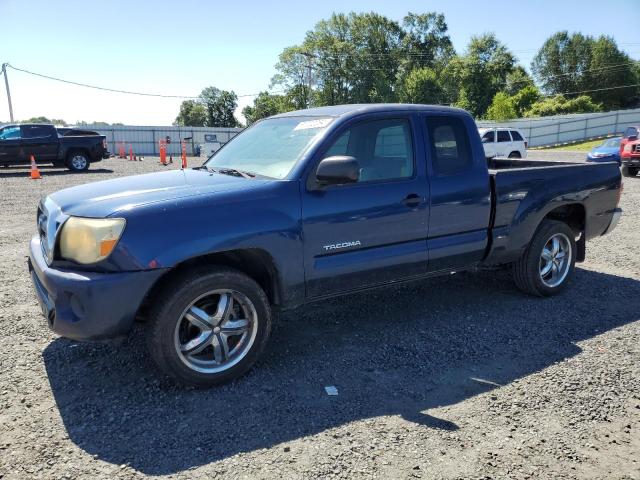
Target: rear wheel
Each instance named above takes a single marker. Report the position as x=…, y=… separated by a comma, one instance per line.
x=629, y=171
x=548, y=263
x=209, y=327
x=77, y=162
x=515, y=155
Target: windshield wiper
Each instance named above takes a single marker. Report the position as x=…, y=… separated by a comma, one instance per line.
x=231, y=171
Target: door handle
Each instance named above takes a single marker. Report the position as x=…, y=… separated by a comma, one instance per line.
x=412, y=200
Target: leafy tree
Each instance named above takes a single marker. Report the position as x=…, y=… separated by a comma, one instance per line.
x=294, y=67
x=501, y=108
x=192, y=114
x=425, y=41
x=517, y=79
x=421, y=85
x=265, y=105
x=559, y=105
x=525, y=98
x=568, y=64
x=219, y=106
x=41, y=119
x=473, y=79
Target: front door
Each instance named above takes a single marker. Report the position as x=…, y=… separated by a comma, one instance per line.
x=11, y=145
x=374, y=231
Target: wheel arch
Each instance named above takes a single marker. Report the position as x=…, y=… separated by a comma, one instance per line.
x=254, y=262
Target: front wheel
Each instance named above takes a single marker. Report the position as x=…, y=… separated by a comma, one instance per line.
x=548, y=262
x=629, y=171
x=210, y=327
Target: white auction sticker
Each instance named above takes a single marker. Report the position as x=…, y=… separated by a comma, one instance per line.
x=307, y=124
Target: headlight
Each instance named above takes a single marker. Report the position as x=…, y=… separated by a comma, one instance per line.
x=89, y=240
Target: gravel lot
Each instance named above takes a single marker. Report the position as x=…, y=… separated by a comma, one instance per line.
x=459, y=377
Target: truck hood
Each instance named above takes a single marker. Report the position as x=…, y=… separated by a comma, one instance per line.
x=101, y=199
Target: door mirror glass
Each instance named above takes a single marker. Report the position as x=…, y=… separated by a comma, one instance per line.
x=337, y=170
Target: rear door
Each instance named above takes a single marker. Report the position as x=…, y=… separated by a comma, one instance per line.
x=41, y=141
x=374, y=231
x=460, y=193
x=504, y=146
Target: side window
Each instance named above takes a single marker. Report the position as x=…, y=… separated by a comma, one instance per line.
x=631, y=132
x=503, y=136
x=516, y=136
x=383, y=149
x=8, y=133
x=450, y=147
x=489, y=137
x=36, y=131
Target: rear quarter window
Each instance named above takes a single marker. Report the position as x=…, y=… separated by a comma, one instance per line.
x=516, y=136
x=450, y=149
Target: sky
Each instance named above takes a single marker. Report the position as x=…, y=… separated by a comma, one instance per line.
x=180, y=47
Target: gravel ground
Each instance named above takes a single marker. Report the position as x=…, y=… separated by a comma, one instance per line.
x=458, y=377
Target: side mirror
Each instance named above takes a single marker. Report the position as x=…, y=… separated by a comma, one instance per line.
x=338, y=170
x=487, y=140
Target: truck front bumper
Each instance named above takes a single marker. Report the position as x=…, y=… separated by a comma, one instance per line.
x=87, y=305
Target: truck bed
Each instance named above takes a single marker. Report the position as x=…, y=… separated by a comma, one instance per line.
x=524, y=191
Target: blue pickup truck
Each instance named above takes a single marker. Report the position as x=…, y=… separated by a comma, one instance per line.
x=300, y=207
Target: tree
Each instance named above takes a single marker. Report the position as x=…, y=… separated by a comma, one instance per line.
x=421, y=85
x=265, y=105
x=425, y=41
x=517, y=79
x=501, y=108
x=41, y=119
x=559, y=105
x=571, y=64
x=192, y=114
x=472, y=80
x=219, y=107
x=525, y=98
x=362, y=57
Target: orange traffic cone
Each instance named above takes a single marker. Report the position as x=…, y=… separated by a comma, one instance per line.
x=35, y=173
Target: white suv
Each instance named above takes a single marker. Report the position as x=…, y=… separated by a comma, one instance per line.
x=503, y=142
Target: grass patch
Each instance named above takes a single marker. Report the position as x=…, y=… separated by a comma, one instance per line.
x=576, y=147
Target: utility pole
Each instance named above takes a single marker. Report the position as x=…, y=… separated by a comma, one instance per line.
x=6, y=82
x=309, y=77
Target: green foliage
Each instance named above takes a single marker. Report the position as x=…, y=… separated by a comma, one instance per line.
x=421, y=85
x=524, y=98
x=219, y=107
x=54, y=121
x=574, y=62
x=192, y=114
x=517, y=79
x=560, y=105
x=479, y=74
x=362, y=57
x=265, y=105
x=501, y=108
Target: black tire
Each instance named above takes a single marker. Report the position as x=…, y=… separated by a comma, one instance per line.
x=515, y=155
x=77, y=161
x=526, y=271
x=169, y=310
x=629, y=171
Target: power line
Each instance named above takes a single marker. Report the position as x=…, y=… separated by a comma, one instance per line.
x=115, y=90
x=594, y=90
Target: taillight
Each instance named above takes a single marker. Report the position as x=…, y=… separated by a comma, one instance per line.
x=526, y=144
x=104, y=143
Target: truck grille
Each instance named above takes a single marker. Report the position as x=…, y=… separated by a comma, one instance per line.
x=636, y=148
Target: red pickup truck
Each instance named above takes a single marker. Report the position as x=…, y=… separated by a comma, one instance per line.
x=630, y=152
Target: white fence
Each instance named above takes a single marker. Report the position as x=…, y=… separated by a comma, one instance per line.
x=570, y=128
x=144, y=140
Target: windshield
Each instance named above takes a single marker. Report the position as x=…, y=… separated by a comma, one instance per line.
x=612, y=142
x=270, y=148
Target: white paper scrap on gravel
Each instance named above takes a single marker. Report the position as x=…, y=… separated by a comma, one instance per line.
x=331, y=390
